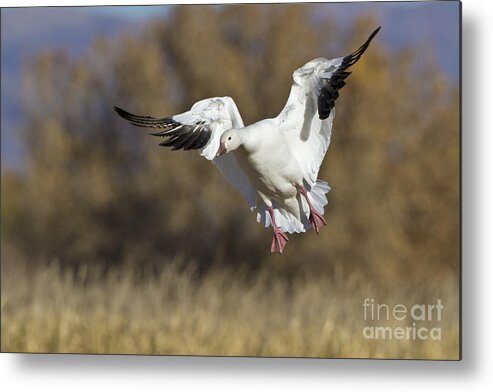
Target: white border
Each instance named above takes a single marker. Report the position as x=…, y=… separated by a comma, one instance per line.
x=94, y=373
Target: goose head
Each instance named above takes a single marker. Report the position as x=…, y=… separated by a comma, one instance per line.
x=230, y=141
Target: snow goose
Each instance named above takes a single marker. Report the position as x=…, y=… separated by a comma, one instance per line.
x=273, y=163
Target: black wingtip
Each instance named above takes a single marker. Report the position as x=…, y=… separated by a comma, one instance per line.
x=356, y=55
x=374, y=33
x=370, y=38
x=178, y=136
x=142, y=121
x=329, y=92
x=121, y=112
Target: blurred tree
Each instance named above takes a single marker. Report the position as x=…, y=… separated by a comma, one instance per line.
x=97, y=191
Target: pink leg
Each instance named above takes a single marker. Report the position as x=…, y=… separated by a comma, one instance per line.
x=316, y=219
x=279, y=239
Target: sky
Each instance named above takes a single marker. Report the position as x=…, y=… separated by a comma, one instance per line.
x=27, y=31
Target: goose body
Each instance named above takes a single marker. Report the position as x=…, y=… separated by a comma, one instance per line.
x=273, y=163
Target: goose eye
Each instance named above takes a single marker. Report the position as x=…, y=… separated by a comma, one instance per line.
x=229, y=138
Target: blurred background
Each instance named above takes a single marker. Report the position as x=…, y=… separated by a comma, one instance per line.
x=111, y=243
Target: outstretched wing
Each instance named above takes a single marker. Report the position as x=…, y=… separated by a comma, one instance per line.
x=179, y=134
x=201, y=128
x=306, y=120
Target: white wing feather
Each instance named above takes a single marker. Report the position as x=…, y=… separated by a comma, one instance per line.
x=306, y=120
x=219, y=115
x=201, y=128
x=307, y=136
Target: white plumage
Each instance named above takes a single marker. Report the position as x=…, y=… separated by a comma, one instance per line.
x=273, y=163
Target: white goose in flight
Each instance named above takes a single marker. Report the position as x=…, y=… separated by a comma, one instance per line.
x=273, y=163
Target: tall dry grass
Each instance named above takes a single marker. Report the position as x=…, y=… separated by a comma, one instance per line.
x=220, y=312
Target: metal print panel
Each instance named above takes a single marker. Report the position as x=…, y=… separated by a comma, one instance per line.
x=234, y=180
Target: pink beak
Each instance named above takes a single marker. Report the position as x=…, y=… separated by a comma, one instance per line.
x=221, y=150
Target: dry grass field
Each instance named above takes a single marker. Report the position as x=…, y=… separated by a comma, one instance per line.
x=223, y=312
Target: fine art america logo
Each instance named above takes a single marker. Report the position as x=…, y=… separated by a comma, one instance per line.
x=415, y=322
